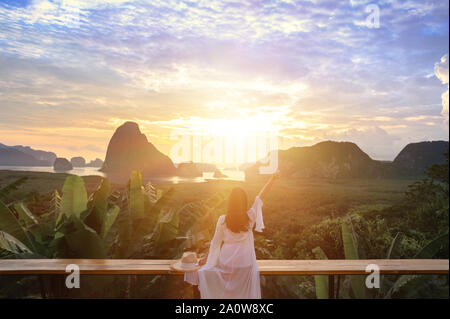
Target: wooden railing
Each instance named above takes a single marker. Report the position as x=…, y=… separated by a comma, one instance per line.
x=266, y=267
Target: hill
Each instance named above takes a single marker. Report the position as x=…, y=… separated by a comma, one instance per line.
x=129, y=150
x=332, y=160
x=415, y=158
x=13, y=156
x=325, y=160
x=45, y=156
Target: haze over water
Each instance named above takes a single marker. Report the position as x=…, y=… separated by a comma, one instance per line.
x=94, y=171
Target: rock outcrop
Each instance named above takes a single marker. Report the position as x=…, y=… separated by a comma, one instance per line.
x=332, y=160
x=62, y=164
x=78, y=161
x=416, y=158
x=188, y=169
x=95, y=163
x=329, y=160
x=130, y=150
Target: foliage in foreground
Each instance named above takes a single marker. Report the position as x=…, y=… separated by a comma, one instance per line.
x=140, y=222
x=143, y=222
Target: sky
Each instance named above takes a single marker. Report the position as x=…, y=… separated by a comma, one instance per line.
x=71, y=71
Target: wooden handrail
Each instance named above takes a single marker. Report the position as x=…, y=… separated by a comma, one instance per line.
x=266, y=267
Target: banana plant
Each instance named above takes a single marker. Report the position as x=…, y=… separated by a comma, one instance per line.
x=6, y=191
x=141, y=210
x=321, y=281
x=410, y=286
x=152, y=226
x=74, y=226
x=352, y=252
x=71, y=222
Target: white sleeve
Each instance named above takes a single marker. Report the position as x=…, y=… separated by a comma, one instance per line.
x=255, y=215
x=216, y=242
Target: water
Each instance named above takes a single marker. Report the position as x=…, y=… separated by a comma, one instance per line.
x=234, y=175
x=80, y=171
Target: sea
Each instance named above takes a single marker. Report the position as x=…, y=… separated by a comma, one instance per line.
x=232, y=174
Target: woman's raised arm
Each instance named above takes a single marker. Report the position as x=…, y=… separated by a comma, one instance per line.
x=268, y=185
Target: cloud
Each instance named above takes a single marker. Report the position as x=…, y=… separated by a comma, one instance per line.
x=441, y=72
x=159, y=61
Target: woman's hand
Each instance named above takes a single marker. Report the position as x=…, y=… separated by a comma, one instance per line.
x=202, y=261
x=268, y=185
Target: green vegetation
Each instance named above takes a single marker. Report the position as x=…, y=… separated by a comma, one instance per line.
x=63, y=216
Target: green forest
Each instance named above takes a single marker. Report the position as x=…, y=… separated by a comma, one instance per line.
x=66, y=216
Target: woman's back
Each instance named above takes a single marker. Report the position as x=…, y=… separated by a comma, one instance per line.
x=231, y=270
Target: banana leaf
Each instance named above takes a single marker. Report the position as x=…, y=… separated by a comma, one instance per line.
x=11, y=246
x=189, y=214
x=167, y=228
x=25, y=215
x=153, y=193
x=394, y=252
x=137, y=196
x=395, y=247
x=433, y=247
x=98, y=207
x=83, y=242
x=414, y=281
x=74, y=198
x=321, y=281
x=11, y=225
x=351, y=252
x=109, y=220
x=5, y=191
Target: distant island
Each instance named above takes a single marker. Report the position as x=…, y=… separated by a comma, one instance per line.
x=333, y=160
x=129, y=149
x=26, y=156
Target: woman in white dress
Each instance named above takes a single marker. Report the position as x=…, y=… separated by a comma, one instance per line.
x=231, y=271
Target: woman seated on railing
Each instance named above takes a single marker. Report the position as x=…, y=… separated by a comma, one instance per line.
x=231, y=270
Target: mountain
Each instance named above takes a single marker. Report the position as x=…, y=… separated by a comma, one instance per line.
x=12, y=156
x=129, y=149
x=188, y=169
x=95, y=163
x=45, y=156
x=325, y=160
x=333, y=160
x=62, y=164
x=415, y=158
x=78, y=161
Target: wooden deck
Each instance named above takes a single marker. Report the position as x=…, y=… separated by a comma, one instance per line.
x=266, y=267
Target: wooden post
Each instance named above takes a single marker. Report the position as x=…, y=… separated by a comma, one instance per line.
x=338, y=286
x=331, y=286
x=42, y=286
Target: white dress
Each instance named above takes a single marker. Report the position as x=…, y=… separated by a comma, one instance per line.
x=231, y=271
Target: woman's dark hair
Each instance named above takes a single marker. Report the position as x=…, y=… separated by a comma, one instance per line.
x=237, y=218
